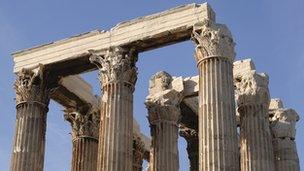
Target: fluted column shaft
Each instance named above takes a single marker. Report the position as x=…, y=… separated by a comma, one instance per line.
x=118, y=75
x=255, y=139
x=117, y=138
x=84, y=121
x=164, y=115
x=164, y=146
x=218, y=145
x=217, y=123
x=283, y=130
x=84, y=155
x=252, y=97
x=32, y=106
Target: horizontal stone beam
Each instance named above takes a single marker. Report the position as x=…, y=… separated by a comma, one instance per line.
x=191, y=83
x=70, y=56
x=74, y=91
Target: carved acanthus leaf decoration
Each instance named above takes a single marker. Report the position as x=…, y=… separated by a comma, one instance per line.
x=118, y=65
x=211, y=40
x=84, y=122
x=31, y=86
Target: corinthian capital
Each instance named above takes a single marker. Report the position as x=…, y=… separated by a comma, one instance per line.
x=252, y=88
x=31, y=86
x=212, y=40
x=84, y=121
x=118, y=65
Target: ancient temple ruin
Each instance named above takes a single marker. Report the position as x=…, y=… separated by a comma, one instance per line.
x=226, y=113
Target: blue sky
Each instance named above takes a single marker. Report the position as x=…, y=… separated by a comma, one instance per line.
x=269, y=32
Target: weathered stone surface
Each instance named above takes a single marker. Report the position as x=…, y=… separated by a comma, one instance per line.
x=144, y=33
x=117, y=65
x=283, y=128
x=164, y=113
x=70, y=96
x=146, y=141
x=191, y=86
x=191, y=136
x=214, y=53
x=242, y=66
x=84, y=121
x=252, y=88
x=286, y=156
x=192, y=103
x=275, y=104
x=85, y=128
x=117, y=76
x=283, y=123
x=214, y=40
x=138, y=153
x=252, y=96
x=32, y=99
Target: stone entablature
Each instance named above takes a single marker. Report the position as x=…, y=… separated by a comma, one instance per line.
x=144, y=33
x=104, y=132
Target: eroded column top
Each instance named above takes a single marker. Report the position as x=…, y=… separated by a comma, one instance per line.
x=251, y=87
x=163, y=100
x=282, y=120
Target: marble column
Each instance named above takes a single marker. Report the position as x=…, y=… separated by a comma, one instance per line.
x=252, y=96
x=118, y=75
x=32, y=98
x=164, y=113
x=191, y=136
x=138, y=153
x=85, y=125
x=282, y=126
x=214, y=53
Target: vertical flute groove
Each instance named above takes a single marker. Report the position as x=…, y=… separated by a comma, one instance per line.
x=252, y=96
x=217, y=123
x=164, y=114
x=28, y=150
